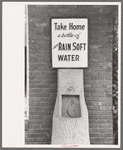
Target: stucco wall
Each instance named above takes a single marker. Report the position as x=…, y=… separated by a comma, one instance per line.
x=97, y=77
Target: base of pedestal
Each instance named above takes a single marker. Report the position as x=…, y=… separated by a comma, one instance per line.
x=70, y=130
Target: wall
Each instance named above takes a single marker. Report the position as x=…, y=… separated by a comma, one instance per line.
x=97, y=77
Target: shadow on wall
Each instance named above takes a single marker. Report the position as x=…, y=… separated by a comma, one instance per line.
x=115, y=81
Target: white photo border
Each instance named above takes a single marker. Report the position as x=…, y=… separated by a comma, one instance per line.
x=13, y=101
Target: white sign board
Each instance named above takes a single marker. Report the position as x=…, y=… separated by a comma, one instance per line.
x=69, y=43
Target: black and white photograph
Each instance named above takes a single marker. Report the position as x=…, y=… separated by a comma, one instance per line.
x=68, y=66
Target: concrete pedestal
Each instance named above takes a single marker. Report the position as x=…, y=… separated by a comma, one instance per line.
x=70, y=118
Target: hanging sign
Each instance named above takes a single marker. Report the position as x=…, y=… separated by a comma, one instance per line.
x=69, y=43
